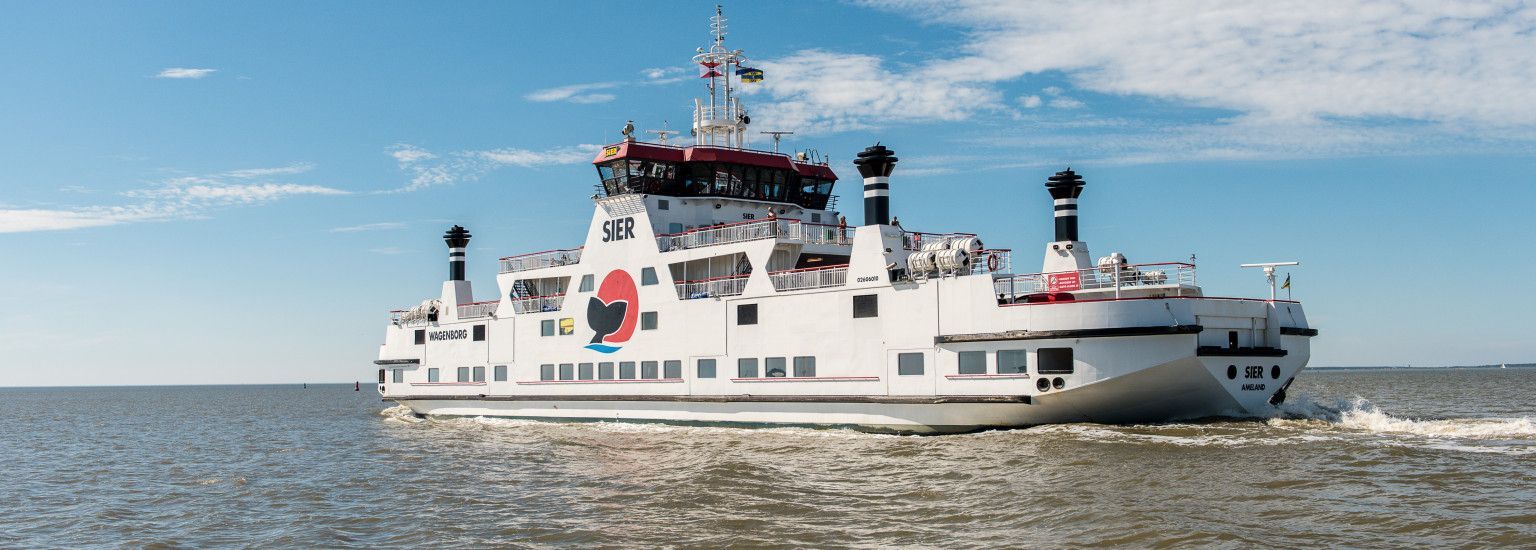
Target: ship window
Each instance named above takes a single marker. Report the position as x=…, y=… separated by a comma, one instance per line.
x=746, y=314
x=381, y=376
x=909, y=364
x=584, y=371
x=1012, y=361
x=501, y=373
x=648, y=370
x=586, y=283
x=866, y=305
x=1054, y=361
x=973, y=362
x=647, y=320
x=773, y=367
x=432, y=375
x=567, y=371
x=398, y=376
x=626, y=370
x=479, y=333
x=815, y=217
x=746, y=367
x=805, y=367
x=674, y=228
x=421, y=336
x=605, y=371
x=706, y=368
x=567, y=326
x=547, y=327
x=479, y=374
x=672, y=369
x=547, y=371
x=663, y=205
x=647, y=276
x=463, y=374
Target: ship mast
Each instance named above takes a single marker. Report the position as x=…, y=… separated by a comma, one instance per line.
x=722, y=121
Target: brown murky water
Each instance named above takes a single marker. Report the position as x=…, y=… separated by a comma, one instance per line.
x=1362, y=458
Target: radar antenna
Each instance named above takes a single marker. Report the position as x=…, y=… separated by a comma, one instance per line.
x=1269, y=273
x=664, y=132
x=776, y=136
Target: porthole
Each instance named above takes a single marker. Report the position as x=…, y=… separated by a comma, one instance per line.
x=1043, y=385
x=1231, y=372
x=1274, y=372
x=1058, y=383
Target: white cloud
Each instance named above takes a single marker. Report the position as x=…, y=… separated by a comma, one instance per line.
x=380, y=226
x=1030, y=101
x=180, y=72
x=575, y=93
x=821, y=91
x=183, y=197
x=1066, y=103
x=528, y=158
x=428, y=170
x=405, y=153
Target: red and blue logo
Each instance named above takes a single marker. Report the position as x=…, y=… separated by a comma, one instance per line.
x=614, y=312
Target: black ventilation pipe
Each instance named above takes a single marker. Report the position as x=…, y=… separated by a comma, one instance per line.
x=875, y=165
x=1065, y=186
x=457, y=238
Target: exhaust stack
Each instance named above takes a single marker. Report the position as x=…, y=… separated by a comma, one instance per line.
x=1065, y=186
x=875, y=165
x=457, y=239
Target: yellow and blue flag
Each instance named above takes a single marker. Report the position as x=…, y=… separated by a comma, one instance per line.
x=749, y=75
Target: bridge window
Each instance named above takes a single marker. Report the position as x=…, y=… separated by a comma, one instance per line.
x=626, y=370
x=605, y=371
x=909, y=364
x=706, y=368
x=746, y=367
x=805, y=367
x=584, y=371
x=973, y=362
x=432, y=375
x=746, y=314
x=1054, y=361
x=501, y=373
x=774, y=367
x=1012, y=361
x=672, y=369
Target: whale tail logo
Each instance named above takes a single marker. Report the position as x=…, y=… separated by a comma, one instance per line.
x=613, y=313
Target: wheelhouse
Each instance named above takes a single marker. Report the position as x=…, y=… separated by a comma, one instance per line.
x=647, y=168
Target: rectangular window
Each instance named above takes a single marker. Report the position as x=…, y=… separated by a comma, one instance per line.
x=648, y=370
x=909, y=364
x=1012, y=361
x=774, y=367
x=547, y=327
x=432, y=375
x=663, y=204
x=648, y=276
x=805, y=367
x=501, y=373
x=706, y=368
x=478, y=375
x=605, y=371
x=647, y=320
x=567, y=326
x=421, y=336
x=586, y=283
x=866, y=305
x=815, y=217
x=1054, y=361
x=479, y=333
x=567, y=371
x=547, y=371
x=381, y=376
x=746, y=314
x=746, y=367
x=674, y=228
x=626, y=370
x=672, y=369
x=584, y=371
x=399, y=376
x=973, y=362
x=463, y=374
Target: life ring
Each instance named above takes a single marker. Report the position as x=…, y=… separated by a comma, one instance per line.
x=992, y=262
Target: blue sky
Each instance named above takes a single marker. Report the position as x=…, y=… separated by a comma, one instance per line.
x=218, y=192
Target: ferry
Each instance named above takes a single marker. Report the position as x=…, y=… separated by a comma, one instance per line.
x=719, y=284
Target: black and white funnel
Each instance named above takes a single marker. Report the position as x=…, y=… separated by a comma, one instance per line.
x=457, y=239
x=875, y=165
x=1065, y=186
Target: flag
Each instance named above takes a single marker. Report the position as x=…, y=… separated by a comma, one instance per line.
x=1287, y=284
x=707, y=70
x=749, y=75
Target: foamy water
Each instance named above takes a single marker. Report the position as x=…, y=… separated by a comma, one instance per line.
x=1431, y=458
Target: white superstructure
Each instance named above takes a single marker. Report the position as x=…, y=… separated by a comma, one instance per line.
x=718, y=284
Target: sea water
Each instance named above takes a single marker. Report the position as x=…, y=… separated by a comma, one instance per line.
x=1428, y=457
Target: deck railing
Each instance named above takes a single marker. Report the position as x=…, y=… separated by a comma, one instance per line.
x=994, y=260
x=780, y=228
x=535, y=304
x=808, y=278
x=536, y=260
x=478, y=309
x=728, y=285
x=1167, y=274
